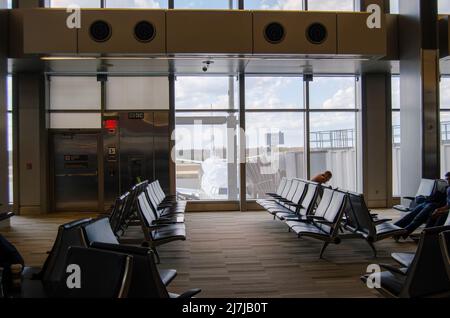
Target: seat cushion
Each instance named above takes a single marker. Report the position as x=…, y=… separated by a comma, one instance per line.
x=167, y=275
x=388, y=229
x=308, y=229
x=404, y=259
x=392, y=283
x=173, y=234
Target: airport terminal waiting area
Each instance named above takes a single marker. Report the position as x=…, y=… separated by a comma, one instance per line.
x=311, y=241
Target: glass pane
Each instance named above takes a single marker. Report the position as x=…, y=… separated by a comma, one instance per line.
x=445, y=142
x=73, y=93
x=333, y=147
x=273, y=93
x=206, y=156
x=275, y=149
x=443, y=6
x=75, y=120
x=273, y=4
x=81, y=3
x=10, y=157
x=206, y=93
x=331, y=5
x=205, y=4
x=137, y=93
x=394, y=6
x=146, y=4
x=9, y=4
x=9, y=92
x=333, y=93
x=395, y=92
x=396, y=153
x=445, y=92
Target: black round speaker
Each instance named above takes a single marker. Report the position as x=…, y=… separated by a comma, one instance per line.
x=316, y=33
x=100, y=31
x=144, y=31
x=274, y=32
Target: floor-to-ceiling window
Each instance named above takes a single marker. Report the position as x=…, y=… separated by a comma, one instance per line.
x=333, y=129
x=394, y=6
x=445, y=123
x=331, y=5
x=395, y=95
x=275, y=142
x=444, y=6
x=80, y=3
x=10, y=137
x=206, y=137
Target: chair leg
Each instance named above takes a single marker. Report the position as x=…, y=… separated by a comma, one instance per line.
x=324, y=247
x=158, y=259
x=372, y=246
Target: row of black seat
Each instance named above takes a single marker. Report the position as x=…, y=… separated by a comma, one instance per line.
x=327, y=214
x=427, y=188
x=161, y=217
x=425, y=273
x=108, y=269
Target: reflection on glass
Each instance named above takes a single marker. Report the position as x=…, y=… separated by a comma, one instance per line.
x=10, y=157
x=80, y=3
x=393, y=4
x=333, y=147
x=445, y=92
x=331, y=5
x=273, y=93
x=444, y=6
x=144, y=4
x=273, y=4
x=396, y=153
x=275, y=149
x=333, y=93
x=445, y=142
x=206, y=156
x=205, y=4
x=206, y=93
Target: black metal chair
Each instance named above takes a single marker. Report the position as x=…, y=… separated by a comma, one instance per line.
x=159, y=234
x=445, y=249
x=324, y=228
x=102, y=274
x=426, y=189
x=99, y=231
x=360, y=221
x=425, y=277
x=145, y=282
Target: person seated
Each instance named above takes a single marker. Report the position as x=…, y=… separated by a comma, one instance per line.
x=323, y=177
x=431, y=211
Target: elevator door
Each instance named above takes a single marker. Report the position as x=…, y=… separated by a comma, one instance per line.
x=76, y=162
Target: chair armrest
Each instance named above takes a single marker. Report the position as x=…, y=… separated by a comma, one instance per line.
x=296, y=205
x=394, y=270
x=374, y=215
x=409, y=198
x=381, y=221
x=324, y=222
x=157, y=226
x=190, y=293
x=313, y=217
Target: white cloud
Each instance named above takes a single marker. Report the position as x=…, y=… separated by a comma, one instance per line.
x=343, y=98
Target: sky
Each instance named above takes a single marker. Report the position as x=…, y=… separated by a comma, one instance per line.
x=272, y=93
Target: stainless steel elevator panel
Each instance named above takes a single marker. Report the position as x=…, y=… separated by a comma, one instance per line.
x=75, y=157
x=136, y=147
